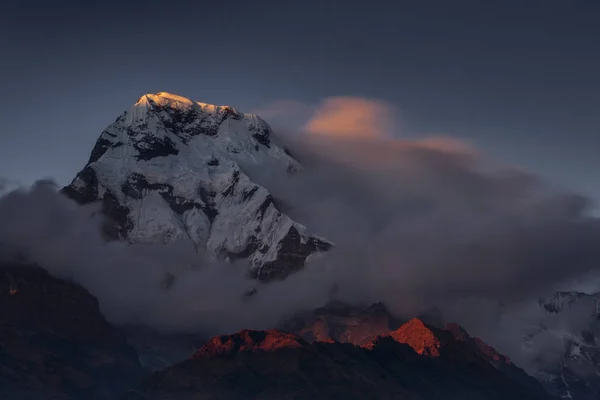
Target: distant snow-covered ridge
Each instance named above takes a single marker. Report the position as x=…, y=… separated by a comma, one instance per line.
x=577, y=374
x=169, y=170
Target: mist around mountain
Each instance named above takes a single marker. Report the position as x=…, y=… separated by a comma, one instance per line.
x=55, y=344
x=193, y=218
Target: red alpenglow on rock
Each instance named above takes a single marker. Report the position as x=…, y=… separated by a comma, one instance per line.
x=424, y=340
x=416, y=361
x=248, y=340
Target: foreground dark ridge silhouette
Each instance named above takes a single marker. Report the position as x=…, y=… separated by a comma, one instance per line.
x=414, y=362
x=55, y=343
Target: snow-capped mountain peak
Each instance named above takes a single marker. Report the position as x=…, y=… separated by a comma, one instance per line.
x=164, y=99
x=171, y=169
x=176, y=102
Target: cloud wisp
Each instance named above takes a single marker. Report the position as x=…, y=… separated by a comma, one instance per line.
x=350, y=117
x=131, y=280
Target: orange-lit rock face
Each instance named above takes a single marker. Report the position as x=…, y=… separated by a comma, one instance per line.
x=353, y=330
x=420, y=337
x=452, y=341
x=248, y=340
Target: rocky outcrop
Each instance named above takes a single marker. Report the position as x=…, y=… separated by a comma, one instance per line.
x=248, y=340
x=55, y=343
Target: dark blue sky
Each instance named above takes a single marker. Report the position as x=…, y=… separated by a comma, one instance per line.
x=518, y=79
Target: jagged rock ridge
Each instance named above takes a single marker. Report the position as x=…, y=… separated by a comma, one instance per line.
x=277, y=365
x=171, y=169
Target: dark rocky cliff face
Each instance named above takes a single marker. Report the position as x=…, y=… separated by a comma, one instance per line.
x=55, y=343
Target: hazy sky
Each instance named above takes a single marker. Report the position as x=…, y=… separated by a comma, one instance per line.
x=518, y=79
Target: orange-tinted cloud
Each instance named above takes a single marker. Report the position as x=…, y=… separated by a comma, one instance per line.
x=352, y=117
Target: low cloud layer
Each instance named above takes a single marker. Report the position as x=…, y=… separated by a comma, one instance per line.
x=421, y=223
x=416, y=224
x=132, y=281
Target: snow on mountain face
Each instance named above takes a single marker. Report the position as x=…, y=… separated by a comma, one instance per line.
x=169, y=170
x=577, y=375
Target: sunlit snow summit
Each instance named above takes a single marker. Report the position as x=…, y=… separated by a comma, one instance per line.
x=170, y=169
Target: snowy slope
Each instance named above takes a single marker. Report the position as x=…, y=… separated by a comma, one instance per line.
x=169, y=170
x=577, y=375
